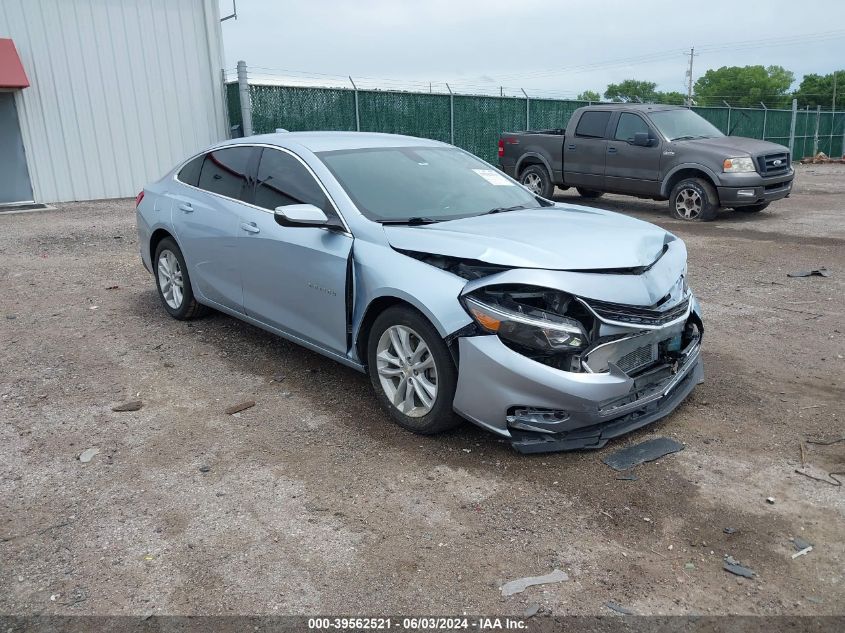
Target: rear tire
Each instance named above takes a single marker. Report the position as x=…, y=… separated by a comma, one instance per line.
x=590, y=194
x=412, y=371
x=752, y=208
x=694, y=200
x=537, y=180
x=174, y=282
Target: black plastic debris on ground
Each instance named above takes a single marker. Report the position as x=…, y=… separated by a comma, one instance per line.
x=816, y=272
x=733, y=566
x=641, y=453
x=799, y=544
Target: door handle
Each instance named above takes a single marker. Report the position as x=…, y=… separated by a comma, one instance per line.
x=611, y=150
x=572, y=146
x=250, y=227
x=186, y=207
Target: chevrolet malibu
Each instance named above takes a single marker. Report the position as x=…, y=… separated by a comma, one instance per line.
x=456, y=289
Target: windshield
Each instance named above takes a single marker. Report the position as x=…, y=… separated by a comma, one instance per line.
x=678, y=125
x=423, y=184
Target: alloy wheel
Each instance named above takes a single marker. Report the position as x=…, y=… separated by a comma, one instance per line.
x=170, y=279
x=533, y=182
x=406, y=370
x=688, y=203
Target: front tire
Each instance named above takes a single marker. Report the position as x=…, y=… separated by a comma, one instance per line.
x=412, y=372
x=694, y=200
x=174, y=283
x=537, y=180
x=590, y=194
x=752, y=208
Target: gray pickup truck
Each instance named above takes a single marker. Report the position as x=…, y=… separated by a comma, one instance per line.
x=651, y=151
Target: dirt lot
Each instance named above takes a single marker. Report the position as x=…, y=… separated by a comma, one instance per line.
x=312, y=501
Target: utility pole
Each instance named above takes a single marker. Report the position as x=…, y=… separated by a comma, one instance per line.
x=689, y=76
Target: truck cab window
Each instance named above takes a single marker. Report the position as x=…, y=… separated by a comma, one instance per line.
x=629, y=124
x=593, y=124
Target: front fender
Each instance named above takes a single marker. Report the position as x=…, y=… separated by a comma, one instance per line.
x=664, y=188
x=379, y=271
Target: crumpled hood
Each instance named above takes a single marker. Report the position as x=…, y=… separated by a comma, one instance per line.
x=738, y=145
x=562, y=237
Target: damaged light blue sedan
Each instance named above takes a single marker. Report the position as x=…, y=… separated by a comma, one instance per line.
x=455, y=288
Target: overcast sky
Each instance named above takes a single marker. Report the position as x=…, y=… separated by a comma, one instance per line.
x=547, y=47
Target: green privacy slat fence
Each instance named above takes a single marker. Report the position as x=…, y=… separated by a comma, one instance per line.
x=478, y=120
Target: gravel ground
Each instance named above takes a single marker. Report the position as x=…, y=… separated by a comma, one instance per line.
x=312, y=501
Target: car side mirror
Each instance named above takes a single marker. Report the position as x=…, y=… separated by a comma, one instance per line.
x=300, y=215
x=642, y=139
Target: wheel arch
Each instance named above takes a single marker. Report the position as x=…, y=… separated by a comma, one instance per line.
x=381, y=303
x=155, y=239
x=687, y=170
x=532, y=158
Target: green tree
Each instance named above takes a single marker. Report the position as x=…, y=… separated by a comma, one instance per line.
x=589, y=95
x=670, y=98
x=817, y=90
x=631, y=90
x=745, y=86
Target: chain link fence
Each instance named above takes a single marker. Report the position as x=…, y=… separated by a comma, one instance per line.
x=474, y=122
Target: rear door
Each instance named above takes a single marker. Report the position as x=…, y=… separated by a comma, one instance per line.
x=584, y=154
x=632, y=168
x=206, y=213
x=294, y=277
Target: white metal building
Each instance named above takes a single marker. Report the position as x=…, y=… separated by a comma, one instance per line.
x=119, y=91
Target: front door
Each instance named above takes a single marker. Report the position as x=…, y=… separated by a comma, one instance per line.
x=294, y=277
x=632, y=168
x=584, y=153
x=14, y=175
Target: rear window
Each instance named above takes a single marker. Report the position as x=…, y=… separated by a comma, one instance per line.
x=190, y=173
x=592, y=124
x=224, y=171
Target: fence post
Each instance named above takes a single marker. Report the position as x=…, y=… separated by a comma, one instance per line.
x=729, y=116
x=527, y=110
x=804, y=136
x=843, y=133
x=246, y=102
x=357, y=114
x=451, y=115
x=765, y=114
x=792, y=128
x=816, y=133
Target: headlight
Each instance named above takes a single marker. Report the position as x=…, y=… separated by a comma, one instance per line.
x=536, y=329
x=738, y=165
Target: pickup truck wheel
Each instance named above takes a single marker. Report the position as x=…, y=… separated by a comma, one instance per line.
x=694, y=200
x=752, y=208
x=538, y=181
x=589, y=193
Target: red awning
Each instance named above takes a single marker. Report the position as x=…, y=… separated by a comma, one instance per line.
x=12, y=74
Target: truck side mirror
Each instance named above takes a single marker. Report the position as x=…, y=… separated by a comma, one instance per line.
x=642, y=139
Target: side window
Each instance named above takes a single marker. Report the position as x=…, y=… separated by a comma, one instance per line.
x=190, y=173
x=283, y=180
x=592, y=124
x=629, y=124
x=225, y=171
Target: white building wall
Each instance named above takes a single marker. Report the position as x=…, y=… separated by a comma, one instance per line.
x=121, y=90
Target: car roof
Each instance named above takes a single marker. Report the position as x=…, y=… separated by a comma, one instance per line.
x=327, y=141
x=640, y=107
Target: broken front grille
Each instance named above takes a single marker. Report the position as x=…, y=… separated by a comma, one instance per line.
x=773, y=164
x=636, y=315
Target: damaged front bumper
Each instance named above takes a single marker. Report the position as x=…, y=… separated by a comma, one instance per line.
x=541, y=409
